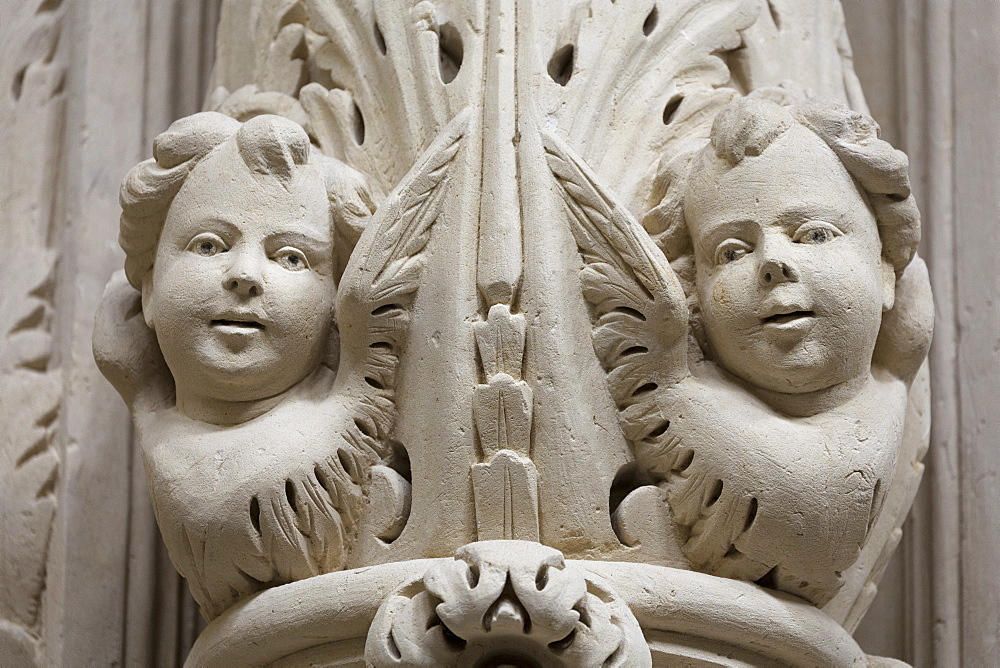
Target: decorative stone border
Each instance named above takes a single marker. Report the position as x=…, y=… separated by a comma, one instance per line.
x=345, y=618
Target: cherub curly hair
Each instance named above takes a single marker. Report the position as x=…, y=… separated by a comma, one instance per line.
x=269, y=144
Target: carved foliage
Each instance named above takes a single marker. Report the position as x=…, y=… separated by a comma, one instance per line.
x=328, y=66
x=501, y=602
x=29, y=464
x=626, y=81
x=32, y=76
x=628, y=78
x=506, y=483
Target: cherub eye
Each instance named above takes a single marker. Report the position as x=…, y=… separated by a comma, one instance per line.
x=816, y=232
x=731, y=250
x=207, y=245
x=291, y=259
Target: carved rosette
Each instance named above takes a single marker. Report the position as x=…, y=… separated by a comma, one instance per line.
x=506, y=603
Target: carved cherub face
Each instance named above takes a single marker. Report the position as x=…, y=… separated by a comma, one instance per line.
x=790, y=276
x=241, y=293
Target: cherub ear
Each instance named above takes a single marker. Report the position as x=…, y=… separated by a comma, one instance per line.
x=147, y=300
x=888, y=286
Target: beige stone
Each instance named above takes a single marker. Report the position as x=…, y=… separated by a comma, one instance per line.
x=413, y=385
x=237, y=282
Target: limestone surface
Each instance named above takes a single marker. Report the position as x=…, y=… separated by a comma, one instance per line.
x=509, y=333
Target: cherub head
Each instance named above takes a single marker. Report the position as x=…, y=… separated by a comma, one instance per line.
x=229, y=235
x=788, y=229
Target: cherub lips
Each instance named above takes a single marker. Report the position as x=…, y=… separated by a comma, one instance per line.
x=789, y=317
x=237, y=325
x=784, y=318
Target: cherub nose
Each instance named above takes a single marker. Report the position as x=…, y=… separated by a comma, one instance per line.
x=773, y=272
x=242, y=280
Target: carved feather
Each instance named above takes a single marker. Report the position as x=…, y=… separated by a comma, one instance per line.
x=637, y=305
x=385, y=269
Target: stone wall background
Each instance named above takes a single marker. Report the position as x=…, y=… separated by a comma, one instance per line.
x=931, y=73
x=85, y=85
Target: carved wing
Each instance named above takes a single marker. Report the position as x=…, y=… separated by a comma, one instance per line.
x=637, y=305
x=384, y=272
x=373, y=307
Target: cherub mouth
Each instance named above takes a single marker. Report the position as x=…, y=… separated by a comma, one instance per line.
x=785, y=318
x=241, y=324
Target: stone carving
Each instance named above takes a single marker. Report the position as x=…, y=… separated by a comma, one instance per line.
x=792, y=231
x=506, y=603
x=506, y=484
x=29, y=465
x=33, y=73
x=229, y=233
x=621, y=303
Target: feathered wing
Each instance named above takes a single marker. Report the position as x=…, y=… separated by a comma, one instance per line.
x=637, y=305
x=373, y=306
x=718, y=473
x=384, y=272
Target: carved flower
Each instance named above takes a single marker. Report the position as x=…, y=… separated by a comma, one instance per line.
x=506, y=603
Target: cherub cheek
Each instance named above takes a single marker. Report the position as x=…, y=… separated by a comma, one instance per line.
x=733, y=306
x=722, y=296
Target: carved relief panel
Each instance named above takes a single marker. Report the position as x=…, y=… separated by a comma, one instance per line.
x=525, y=333
x=30, y=374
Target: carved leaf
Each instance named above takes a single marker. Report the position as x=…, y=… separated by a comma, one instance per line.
x=518, y=598
x=815, y=32
x=32, y=73
x=627, y=78
x=395, y=79
x=500, y=341
x=29, y=405
x=28, y=470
